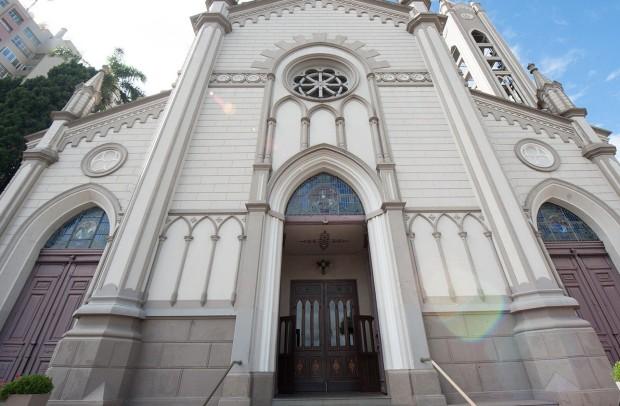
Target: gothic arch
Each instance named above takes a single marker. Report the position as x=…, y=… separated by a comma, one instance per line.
x=22, y=251
x=368, y=57
x=601, y=218
x=330, y=159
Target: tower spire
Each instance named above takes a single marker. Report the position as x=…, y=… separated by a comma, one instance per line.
x=551, y=95
x=85, y=97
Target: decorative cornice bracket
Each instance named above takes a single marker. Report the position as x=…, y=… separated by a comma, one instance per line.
x=63, y=115
x=210, y=18
x=427, y=18
x=592, y=151
x=45, y=155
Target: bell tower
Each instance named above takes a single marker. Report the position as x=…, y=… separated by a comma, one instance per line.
x=482, y=56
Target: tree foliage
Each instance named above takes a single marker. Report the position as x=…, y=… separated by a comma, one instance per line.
x=25, y=109
x=120, y=84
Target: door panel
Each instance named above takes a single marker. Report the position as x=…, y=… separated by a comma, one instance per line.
x=44, y=310
x=590, y=277
x=329, y=351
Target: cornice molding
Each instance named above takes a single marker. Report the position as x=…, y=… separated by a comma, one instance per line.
x=357, y=47
x=382, y=10
x=427, y=18
x=403, y=78
x=127, y=118
x=238, y=79
x=45, y=155
x=63, y=115
x=199, y=20
x=526, y=117
x=575, y=112
x=592, y=151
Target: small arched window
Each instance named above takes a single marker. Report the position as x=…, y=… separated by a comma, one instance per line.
x=556, y=223
x=87, y=230
x=479, y=37
x=324, y=194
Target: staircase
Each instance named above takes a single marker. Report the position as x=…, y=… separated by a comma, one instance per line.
x=510, y=403
x=334, y=400
x=382, y=400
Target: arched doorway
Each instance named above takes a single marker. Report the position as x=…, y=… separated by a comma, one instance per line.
x=328, y=332
x=586, y=270
x=55, y=289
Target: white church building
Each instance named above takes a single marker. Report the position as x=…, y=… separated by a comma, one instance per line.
x=340, y=202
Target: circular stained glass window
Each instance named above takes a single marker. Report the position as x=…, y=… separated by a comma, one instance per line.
x=321, y=83
x=103, y=160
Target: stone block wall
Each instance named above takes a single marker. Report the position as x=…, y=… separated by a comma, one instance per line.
x=181, y=360
x=568, y=365
x=479, y=352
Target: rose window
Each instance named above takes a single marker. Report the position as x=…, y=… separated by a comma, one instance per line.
x=321, y=83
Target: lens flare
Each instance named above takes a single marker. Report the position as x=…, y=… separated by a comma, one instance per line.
x=480, y=322
x=227, y=108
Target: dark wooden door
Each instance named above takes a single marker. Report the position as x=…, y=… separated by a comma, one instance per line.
x=590, y=277
x=44, y=310
x=322, y=346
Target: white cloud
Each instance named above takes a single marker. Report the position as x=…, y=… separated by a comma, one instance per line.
x=556, y=66
x=613, y=75
x=517, y=50
x=615, y=139
x=578, y=95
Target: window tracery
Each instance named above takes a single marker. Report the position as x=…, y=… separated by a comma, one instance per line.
x=87, y=230
x=321, y=83
x=324, y=194
x=555, y=223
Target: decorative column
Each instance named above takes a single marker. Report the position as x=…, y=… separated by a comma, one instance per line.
x=542, y=312
x=552, y=97
x=97, y=353
x=403, y=334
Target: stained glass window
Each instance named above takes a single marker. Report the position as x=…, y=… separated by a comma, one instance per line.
x=324, y=194
x=556, y=223
x=87, y=230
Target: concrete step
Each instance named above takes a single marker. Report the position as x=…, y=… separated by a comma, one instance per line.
x=333, y=400
x=510, y=403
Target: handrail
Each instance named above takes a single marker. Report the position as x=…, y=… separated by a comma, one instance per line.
x=232, y=364
x=450, y=381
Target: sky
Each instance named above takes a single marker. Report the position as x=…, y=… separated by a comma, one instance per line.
x=572, y=41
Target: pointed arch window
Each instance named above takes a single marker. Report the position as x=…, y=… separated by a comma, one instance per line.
x=556, y=223
x=324, y=194
x=87, y=230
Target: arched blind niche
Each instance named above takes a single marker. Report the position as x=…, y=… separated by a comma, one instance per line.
x=324, y=195
x=87, y=230
x=556, y=223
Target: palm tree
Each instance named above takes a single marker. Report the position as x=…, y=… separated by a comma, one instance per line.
x=120, y=84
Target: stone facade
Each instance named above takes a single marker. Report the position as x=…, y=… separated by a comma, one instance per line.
x=197, y=268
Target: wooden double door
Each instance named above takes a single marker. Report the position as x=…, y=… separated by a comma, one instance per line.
x=44, y=310
x=326, y=345
x=590, y=277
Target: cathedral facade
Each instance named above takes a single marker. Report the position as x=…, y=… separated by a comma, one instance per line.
x=347, y=202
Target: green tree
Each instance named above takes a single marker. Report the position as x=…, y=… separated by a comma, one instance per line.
x=120, y=84
x=25, y=108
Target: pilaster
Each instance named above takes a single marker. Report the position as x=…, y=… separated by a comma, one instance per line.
x=34, y=162
x=237, y=388
x=422, y=382
x=538, y=303
x=117, y=298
